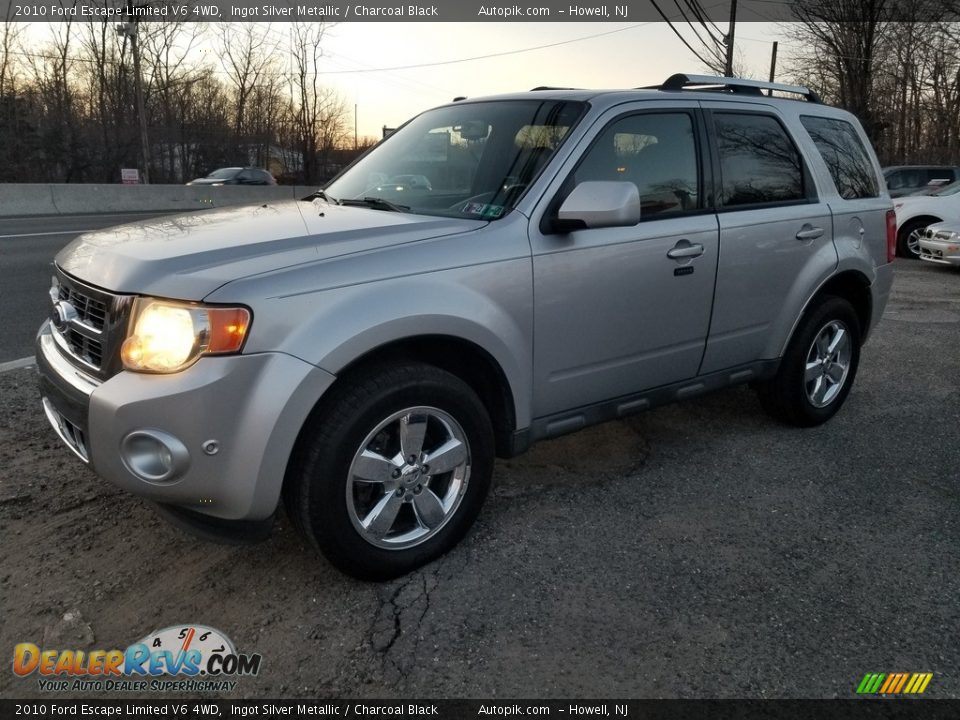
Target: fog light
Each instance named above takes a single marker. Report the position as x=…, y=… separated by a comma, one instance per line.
x=154, y=456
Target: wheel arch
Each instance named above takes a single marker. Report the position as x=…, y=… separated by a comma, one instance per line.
x=851, y=285
x=925, y=219
x=458, y=356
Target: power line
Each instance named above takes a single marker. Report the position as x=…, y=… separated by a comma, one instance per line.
x=396, y=67
x=677, y=33
x=709, y=46
x=700, y=15
x=490, y=55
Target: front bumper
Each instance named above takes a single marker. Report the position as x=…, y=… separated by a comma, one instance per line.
x=234, y=420
x=940, y=251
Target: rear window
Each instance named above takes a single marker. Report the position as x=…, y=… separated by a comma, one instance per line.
x=845, y=156
x=939, y=176
x=759, y=163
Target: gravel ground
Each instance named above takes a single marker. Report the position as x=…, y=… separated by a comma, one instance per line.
x=699, y=550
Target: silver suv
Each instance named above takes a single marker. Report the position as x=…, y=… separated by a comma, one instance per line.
x=498, y=271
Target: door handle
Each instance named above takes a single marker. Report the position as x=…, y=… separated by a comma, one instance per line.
x=808, y=232
x=685, y=249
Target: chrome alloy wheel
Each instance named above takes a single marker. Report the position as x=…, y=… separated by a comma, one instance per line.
x=913, y=241
x=828, y=364
x=408, y=477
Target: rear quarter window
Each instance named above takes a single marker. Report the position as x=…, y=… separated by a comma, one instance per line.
x=845, y=157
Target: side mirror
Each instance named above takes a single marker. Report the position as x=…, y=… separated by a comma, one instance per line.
x=599, y=204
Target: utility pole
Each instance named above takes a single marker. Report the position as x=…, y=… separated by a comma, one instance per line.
x=356, y=144
x=773, y=60
x=728, y=68
x=129, y=30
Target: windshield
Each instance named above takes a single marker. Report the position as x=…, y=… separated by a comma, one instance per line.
x=224, y=173
x=951, y=189
x=465, y=160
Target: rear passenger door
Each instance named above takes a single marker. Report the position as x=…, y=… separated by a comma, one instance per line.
x=776, y=235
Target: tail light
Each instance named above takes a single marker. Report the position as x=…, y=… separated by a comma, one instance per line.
x=891, y=235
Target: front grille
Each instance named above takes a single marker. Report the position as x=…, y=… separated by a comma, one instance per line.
x=87, y=349
x=89, y=311
x=95, y=325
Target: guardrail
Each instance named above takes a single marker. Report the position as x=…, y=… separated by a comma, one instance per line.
x=75, y=199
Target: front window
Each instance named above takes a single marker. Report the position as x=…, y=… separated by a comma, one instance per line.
x=655, y=151
x=224, y=173
x=466, y=160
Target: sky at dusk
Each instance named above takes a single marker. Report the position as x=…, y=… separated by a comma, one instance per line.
x=360, y=60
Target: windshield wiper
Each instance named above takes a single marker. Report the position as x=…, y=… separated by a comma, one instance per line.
x=322, y=195
x=376, y=203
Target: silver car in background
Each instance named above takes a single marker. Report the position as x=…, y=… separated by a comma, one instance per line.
x=940, y=243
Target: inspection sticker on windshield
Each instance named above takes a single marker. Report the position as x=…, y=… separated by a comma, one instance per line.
x=485, y=211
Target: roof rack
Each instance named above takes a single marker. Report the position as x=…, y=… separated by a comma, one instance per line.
x=682, y=81
x=548, y=87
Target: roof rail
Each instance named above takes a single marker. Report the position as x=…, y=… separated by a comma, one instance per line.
x=681, y=81
x=549, y=87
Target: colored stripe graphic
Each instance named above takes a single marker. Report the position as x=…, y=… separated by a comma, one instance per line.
x=900, y=682
x=870, y=683
x=891, y=679
x=894, y=683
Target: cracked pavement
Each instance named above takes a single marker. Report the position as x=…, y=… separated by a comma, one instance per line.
x=698, y=550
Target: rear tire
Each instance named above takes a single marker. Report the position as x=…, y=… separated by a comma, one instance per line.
x=818, y=368
x=360, y=483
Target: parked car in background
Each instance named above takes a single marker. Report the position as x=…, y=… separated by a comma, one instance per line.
x=940, y=244
x=236, y=176
x=908, y=179
x=916, y=212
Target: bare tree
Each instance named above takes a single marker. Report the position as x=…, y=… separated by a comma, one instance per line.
x=9, y=44
x=841, y=41
x=166, y=49
x=319, y=115
x=247, y=53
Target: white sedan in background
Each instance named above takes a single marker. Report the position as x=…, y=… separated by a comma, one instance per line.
x=916, y=212
x=940, y=244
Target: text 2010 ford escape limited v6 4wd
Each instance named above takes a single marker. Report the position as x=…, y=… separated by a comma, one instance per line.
x=559, y=258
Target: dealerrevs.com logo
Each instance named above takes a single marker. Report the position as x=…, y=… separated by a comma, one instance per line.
x=180, y=658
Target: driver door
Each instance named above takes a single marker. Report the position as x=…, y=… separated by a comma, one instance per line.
x=618, y=310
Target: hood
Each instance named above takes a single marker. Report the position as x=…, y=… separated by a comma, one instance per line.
x=912, y=204
x=189, y=256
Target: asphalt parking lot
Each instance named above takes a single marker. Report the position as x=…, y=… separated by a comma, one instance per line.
x=698, y=550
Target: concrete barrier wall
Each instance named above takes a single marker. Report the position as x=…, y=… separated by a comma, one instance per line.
x=70, y=199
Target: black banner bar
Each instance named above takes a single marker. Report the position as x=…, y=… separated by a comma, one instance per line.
x=627, y=11
x=921, y=709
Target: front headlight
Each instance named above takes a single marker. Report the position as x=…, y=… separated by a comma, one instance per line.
x=167, y=337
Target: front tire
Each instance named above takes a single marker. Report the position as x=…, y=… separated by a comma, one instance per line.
x=908, y=238
x=391, y=470
x=818, y=368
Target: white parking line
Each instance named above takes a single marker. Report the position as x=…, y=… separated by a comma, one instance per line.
x=17, y=364
x=52, y=232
